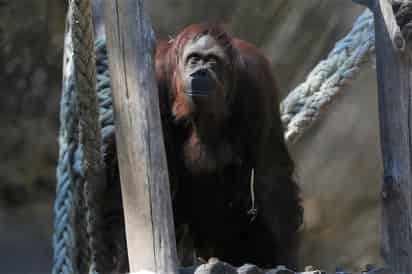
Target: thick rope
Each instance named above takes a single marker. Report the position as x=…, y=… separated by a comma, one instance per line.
x=304, y=105
x=65, y=252
x=78, y=244
x=90, y=136
x=299, y=111
x=83, y=83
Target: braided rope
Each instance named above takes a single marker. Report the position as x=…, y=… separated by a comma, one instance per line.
x=67, y=175
x=78, y=244
x=96, y=256
x=84, y=81
x=299, y=111
x=70, y=158
x=304, y=105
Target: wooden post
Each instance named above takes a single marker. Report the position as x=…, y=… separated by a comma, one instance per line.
x=143, y=167
x=394, y=73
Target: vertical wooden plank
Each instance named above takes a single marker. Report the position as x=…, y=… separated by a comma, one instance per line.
x=394, y=83
x=141, y=153
x=395, y=113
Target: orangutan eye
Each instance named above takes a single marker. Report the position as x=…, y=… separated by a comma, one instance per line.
x=213, y=60
x=193, y=58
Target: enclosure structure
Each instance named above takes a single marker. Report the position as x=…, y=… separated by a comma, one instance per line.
x=394, y=70
x=143, y=169
x=141, y=153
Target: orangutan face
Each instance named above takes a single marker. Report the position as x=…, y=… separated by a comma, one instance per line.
x=203, y=69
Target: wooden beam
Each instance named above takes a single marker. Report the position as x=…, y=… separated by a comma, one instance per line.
x=143, y=168
x=394, y=71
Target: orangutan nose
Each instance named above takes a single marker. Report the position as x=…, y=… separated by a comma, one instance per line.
x=201, y=84
x=200, y=73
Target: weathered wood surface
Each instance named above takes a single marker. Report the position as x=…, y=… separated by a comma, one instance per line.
x=141, y=154
x=395, y=111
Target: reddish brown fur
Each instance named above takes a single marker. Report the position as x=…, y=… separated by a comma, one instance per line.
x=210, y=160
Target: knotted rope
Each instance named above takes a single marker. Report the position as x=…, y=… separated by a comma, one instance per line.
x=78, y=244
x=304, y=105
